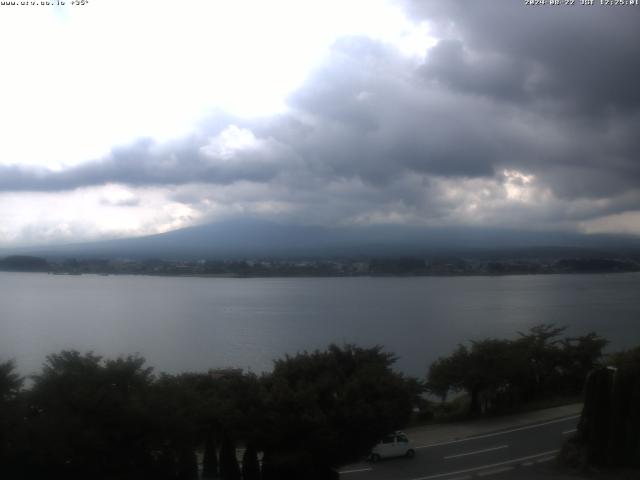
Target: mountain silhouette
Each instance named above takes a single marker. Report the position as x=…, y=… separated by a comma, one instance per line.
x=252, y=238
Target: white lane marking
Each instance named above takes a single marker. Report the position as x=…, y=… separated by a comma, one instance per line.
x=466, y=477
x=546, y=459
x=567, y=432
x=482, y=467
x=493, y=471
x=526, y=464
x=499, y=433
x=476, y=451
x=356, y=470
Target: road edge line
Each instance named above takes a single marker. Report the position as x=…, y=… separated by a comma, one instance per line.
x=482, y=467
x=485, y=450
x=502, y=432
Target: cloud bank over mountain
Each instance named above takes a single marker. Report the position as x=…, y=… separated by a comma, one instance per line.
x=511, y=116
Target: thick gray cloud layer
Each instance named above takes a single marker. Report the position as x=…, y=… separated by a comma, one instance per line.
x=550, y=93
x=582, y=57
x=575, y=68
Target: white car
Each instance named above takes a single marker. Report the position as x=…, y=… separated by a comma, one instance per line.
x=394, y=445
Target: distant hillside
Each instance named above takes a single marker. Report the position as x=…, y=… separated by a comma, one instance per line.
x=23, y=263
x=261, y=239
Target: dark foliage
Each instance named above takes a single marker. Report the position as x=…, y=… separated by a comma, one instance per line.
x=10, y=414
x=589, y=265
x=595, y=421
x=188, y=464
x=10, y=381
x=229, y=468
x=210, y=458
x=250, y=464
x=327, y=408
x=397, y=266
x=24, y=263
x=609, y=429
x=500, y=374
x=89, y=417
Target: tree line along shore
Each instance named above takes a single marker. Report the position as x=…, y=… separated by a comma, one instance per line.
x=84, y=416
x=401, y=266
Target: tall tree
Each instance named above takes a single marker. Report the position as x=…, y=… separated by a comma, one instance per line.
x=229, y=468
x=500, y=373
x=11, y=424
x=210, y=458
x=250, y=464
x=10, y=381
x=579, y=355
x=540, y=347
x=326, y=408
x=88, y=417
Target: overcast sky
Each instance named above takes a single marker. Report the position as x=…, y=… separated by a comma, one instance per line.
x=121, y=118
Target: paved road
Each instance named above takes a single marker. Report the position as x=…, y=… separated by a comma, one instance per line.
x=505, y=453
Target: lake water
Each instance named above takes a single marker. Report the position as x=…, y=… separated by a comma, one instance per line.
x=183, y=324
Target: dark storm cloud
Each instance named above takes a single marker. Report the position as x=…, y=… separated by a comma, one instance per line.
x=143, y=163
x=494, y=75
x=547, y=91
x=372, y=122
x=363, y=115
x=573, y=68
x=584, y=53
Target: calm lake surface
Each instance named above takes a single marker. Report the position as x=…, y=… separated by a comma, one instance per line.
x=183, y=324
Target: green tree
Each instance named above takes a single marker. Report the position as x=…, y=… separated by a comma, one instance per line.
x=210, y=457
x=11, y=426
x=499, y=373
x=327, y=408
x=250, y=464
x=541, y=374
x=609, y=428
x=625, y=429
x=187, y=464
x=490, y=374
x=595, y=421
x=88, y=417
x=229, y=468
x=10, y=381
x=579, y=355
x=486, y=372
x=175, y=405
x=445, y=374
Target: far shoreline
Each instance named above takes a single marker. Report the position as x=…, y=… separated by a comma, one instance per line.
x=397, y=276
